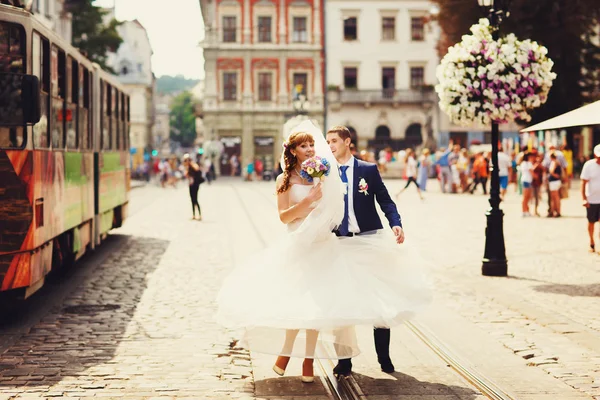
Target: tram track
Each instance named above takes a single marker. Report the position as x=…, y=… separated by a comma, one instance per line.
x=347, y=388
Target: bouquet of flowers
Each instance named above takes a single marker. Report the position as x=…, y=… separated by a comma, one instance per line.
x=314, y=169
x=484, y=80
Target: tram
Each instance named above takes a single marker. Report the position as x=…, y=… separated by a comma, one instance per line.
x=64, y=154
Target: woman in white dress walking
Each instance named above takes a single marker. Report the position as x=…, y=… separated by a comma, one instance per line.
x=312, y=287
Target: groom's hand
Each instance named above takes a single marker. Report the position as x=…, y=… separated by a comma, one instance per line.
x=399, y=232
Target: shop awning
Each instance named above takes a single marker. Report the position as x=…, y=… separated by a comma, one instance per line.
x=583, y=116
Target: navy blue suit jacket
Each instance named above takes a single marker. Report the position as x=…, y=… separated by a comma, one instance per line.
x=364, y=204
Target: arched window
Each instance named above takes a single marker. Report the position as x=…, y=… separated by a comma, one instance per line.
x=413, y=136
x=382, y=132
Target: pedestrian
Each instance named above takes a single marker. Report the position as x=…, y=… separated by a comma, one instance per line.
x=480, y=173
x=234, y=163
x=259, y=169
x=526, y=168
x=590, y=191
x=463, y=169
x=411, y=172
x=208, y=168
x=560, y=157
x=195, y=177
x=423, y=173
x=504, y=170
x=445, y=174
x=554, y=183
x=537, y=182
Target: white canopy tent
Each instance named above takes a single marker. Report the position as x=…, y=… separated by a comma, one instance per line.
x=583, y=116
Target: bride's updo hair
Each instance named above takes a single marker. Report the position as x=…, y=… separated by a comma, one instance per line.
x=290, y=161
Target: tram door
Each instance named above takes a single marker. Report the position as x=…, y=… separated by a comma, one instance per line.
x=232, y=146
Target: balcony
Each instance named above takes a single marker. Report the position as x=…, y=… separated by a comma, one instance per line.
x=381, y=96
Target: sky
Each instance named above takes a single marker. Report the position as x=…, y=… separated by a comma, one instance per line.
x=175, y=29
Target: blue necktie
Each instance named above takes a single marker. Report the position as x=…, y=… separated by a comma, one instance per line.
x=343, y=229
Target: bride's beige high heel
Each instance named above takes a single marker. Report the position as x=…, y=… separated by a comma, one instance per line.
x=308, y=375
x=281, y=365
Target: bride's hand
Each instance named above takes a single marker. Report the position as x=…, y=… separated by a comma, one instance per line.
x=315, y=194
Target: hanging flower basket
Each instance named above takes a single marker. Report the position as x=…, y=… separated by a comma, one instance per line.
x=484, y=80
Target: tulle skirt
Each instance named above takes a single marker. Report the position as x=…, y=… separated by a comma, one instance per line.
x=285, y=293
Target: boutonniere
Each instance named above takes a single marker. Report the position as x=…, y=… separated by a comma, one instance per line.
x=363, y=186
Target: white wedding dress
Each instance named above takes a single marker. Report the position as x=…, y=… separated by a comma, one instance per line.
x=313, y=280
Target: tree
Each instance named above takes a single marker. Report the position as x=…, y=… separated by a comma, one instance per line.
x=183, y=120
x=173, y=84
x=565, y=27
x=90, y=34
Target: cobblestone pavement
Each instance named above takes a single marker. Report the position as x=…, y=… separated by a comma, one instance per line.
x=548, y=310
x=140, y=325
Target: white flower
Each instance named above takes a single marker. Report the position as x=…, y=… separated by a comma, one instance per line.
x=514, y=65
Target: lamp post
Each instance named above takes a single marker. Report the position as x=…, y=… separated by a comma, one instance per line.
x=494, y=258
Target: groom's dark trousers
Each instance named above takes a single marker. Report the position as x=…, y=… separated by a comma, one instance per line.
x=369, y=222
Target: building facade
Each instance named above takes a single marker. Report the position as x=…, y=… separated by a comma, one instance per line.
x=259, y=56
x=382, y=57
x=161, y=130
x=381, y=62
x=52, y=13
x=133, y=65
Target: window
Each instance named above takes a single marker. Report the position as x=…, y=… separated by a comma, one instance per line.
x=12, y=48
x=40, y=53
x=388, y=28
x=417, y=27
x=350, y=77
x=350, y=28
x=12, y=51
x=388, y=82
x=58, y=85
x=230, y=86
x=300, y=33
x=72, y=78
x=229, y=29
x=264, y=29
x=265, y=86
x=83, y=112
x=417, y=75
x=300, y=84
x=123, y=121
x=106, y=103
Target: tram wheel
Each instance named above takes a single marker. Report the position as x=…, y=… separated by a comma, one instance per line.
x=63, y=257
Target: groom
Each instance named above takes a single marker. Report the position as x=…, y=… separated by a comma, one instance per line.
x=360, y=217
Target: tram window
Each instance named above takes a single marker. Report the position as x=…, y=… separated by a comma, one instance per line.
x=115, y=120
x=122, y=121
x=106, y=103
x=11, y=137
x=58, y=86
x=84, y=104
x=12, y=48
x=40, y=53
x=72, y=82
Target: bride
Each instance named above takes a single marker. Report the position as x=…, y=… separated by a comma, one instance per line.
x=312, y=287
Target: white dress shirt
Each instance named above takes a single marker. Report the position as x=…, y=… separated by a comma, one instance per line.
x=352, y=221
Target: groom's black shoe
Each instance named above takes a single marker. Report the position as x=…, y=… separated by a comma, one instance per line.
x=344, y=368
x=386, y=365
